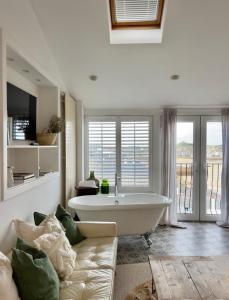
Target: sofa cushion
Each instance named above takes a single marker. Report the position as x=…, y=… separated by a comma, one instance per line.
x=59, y=251
x=96, y=253
x=52, y=241
x=89, y=285
x=26, y=231
x=34, y=274
x=72, y=232
x=8, y=290
x=30, y=232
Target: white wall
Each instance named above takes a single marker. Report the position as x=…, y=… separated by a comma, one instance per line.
x=24, y=35
x=80, y=140
x=43, y=198
x=19, y=21
x=21, y=82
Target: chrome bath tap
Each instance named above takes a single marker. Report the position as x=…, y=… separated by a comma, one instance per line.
x=116, y=184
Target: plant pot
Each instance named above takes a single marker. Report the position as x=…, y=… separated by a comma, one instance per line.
x=46, y=138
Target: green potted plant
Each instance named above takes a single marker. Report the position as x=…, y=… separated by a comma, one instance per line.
x=49, y=135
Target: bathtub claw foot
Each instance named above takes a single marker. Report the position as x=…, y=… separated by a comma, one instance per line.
x=147, y=239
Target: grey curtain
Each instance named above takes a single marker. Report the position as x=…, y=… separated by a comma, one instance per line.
x=224, y=219
x=168, y=127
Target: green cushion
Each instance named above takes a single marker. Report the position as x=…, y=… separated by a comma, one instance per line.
x=72, y=232
x=38, y=218
x=34, y=274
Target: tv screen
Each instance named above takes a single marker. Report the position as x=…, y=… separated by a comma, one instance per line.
x=21, y=107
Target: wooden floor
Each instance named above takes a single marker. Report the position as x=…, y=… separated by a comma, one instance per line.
x=193, y=278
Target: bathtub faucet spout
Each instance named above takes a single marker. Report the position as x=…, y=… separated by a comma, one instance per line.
x=116, y=184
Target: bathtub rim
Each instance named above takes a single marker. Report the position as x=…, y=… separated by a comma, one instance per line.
x=107, y=207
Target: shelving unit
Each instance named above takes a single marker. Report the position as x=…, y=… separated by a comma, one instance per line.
x=31, y=147
x=34, y=159
x=25, y=158
x=21, y=188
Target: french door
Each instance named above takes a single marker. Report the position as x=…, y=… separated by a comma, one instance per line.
x=198, y=167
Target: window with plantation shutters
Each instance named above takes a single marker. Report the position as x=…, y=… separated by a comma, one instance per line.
x=122, y=145
x=19, y=128
x=136, y=13
x=135, y=153
x=102, y=149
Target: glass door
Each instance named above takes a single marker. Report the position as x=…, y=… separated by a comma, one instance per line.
x=187, y=167
x=211, y=168
x=198, y=167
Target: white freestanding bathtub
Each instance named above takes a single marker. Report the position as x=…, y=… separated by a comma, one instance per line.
x=135, y=214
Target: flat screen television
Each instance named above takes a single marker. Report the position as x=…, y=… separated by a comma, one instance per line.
x=21, y=107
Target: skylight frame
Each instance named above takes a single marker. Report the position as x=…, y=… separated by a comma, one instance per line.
x=156, y=24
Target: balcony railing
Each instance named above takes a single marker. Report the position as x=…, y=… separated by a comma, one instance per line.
x=185, y=199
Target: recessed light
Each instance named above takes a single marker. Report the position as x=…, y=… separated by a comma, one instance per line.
x=10, y=59
x=25, y=70
x=93, y=77
x=175, y=77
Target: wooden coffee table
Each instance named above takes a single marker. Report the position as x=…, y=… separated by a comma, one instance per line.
x=190, y=277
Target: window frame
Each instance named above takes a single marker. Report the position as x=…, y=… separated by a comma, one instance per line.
x=136, y=25
x=118, y=120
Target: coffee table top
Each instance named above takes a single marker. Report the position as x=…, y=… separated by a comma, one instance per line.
x=190, y=277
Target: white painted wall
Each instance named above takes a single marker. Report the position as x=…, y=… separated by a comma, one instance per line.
x=80, y=140
x=23, y=34
x=43, y=198
x=21, y=82
x=19, y=21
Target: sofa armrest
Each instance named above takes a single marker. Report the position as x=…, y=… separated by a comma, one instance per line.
x=97, y=229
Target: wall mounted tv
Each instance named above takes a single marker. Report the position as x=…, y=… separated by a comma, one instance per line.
x=21, y=107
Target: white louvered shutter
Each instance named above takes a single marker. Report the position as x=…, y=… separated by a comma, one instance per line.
x=136, y=10
x=19, y=125
x=102, y=149
x=135, y=153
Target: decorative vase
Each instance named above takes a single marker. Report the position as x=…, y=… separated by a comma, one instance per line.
x=105, y=186
x=46, y=138
x=92, y=177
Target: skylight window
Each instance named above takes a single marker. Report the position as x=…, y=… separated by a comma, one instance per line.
x=132, y=14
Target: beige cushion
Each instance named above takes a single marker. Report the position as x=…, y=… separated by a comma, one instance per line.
x=8, y=290
x=30, y=232
x=89, y=285
x=51, y=224
x=59, y=251
x=26, y=231
x=96, y=253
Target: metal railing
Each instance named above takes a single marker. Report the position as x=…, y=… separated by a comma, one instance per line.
x=184, y=176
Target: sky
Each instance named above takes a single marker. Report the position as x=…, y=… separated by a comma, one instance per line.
x=214, y=132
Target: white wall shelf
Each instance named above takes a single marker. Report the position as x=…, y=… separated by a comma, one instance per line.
x=31, y=146
x=21, y=188
x=25, y=158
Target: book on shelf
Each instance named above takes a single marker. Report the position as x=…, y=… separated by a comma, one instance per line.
x=23, y=176
x=21, y=181
x=44, y=173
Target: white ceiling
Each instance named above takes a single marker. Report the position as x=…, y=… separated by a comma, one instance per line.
x=195, y=45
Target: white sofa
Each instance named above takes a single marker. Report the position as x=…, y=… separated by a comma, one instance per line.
x=93, y=277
